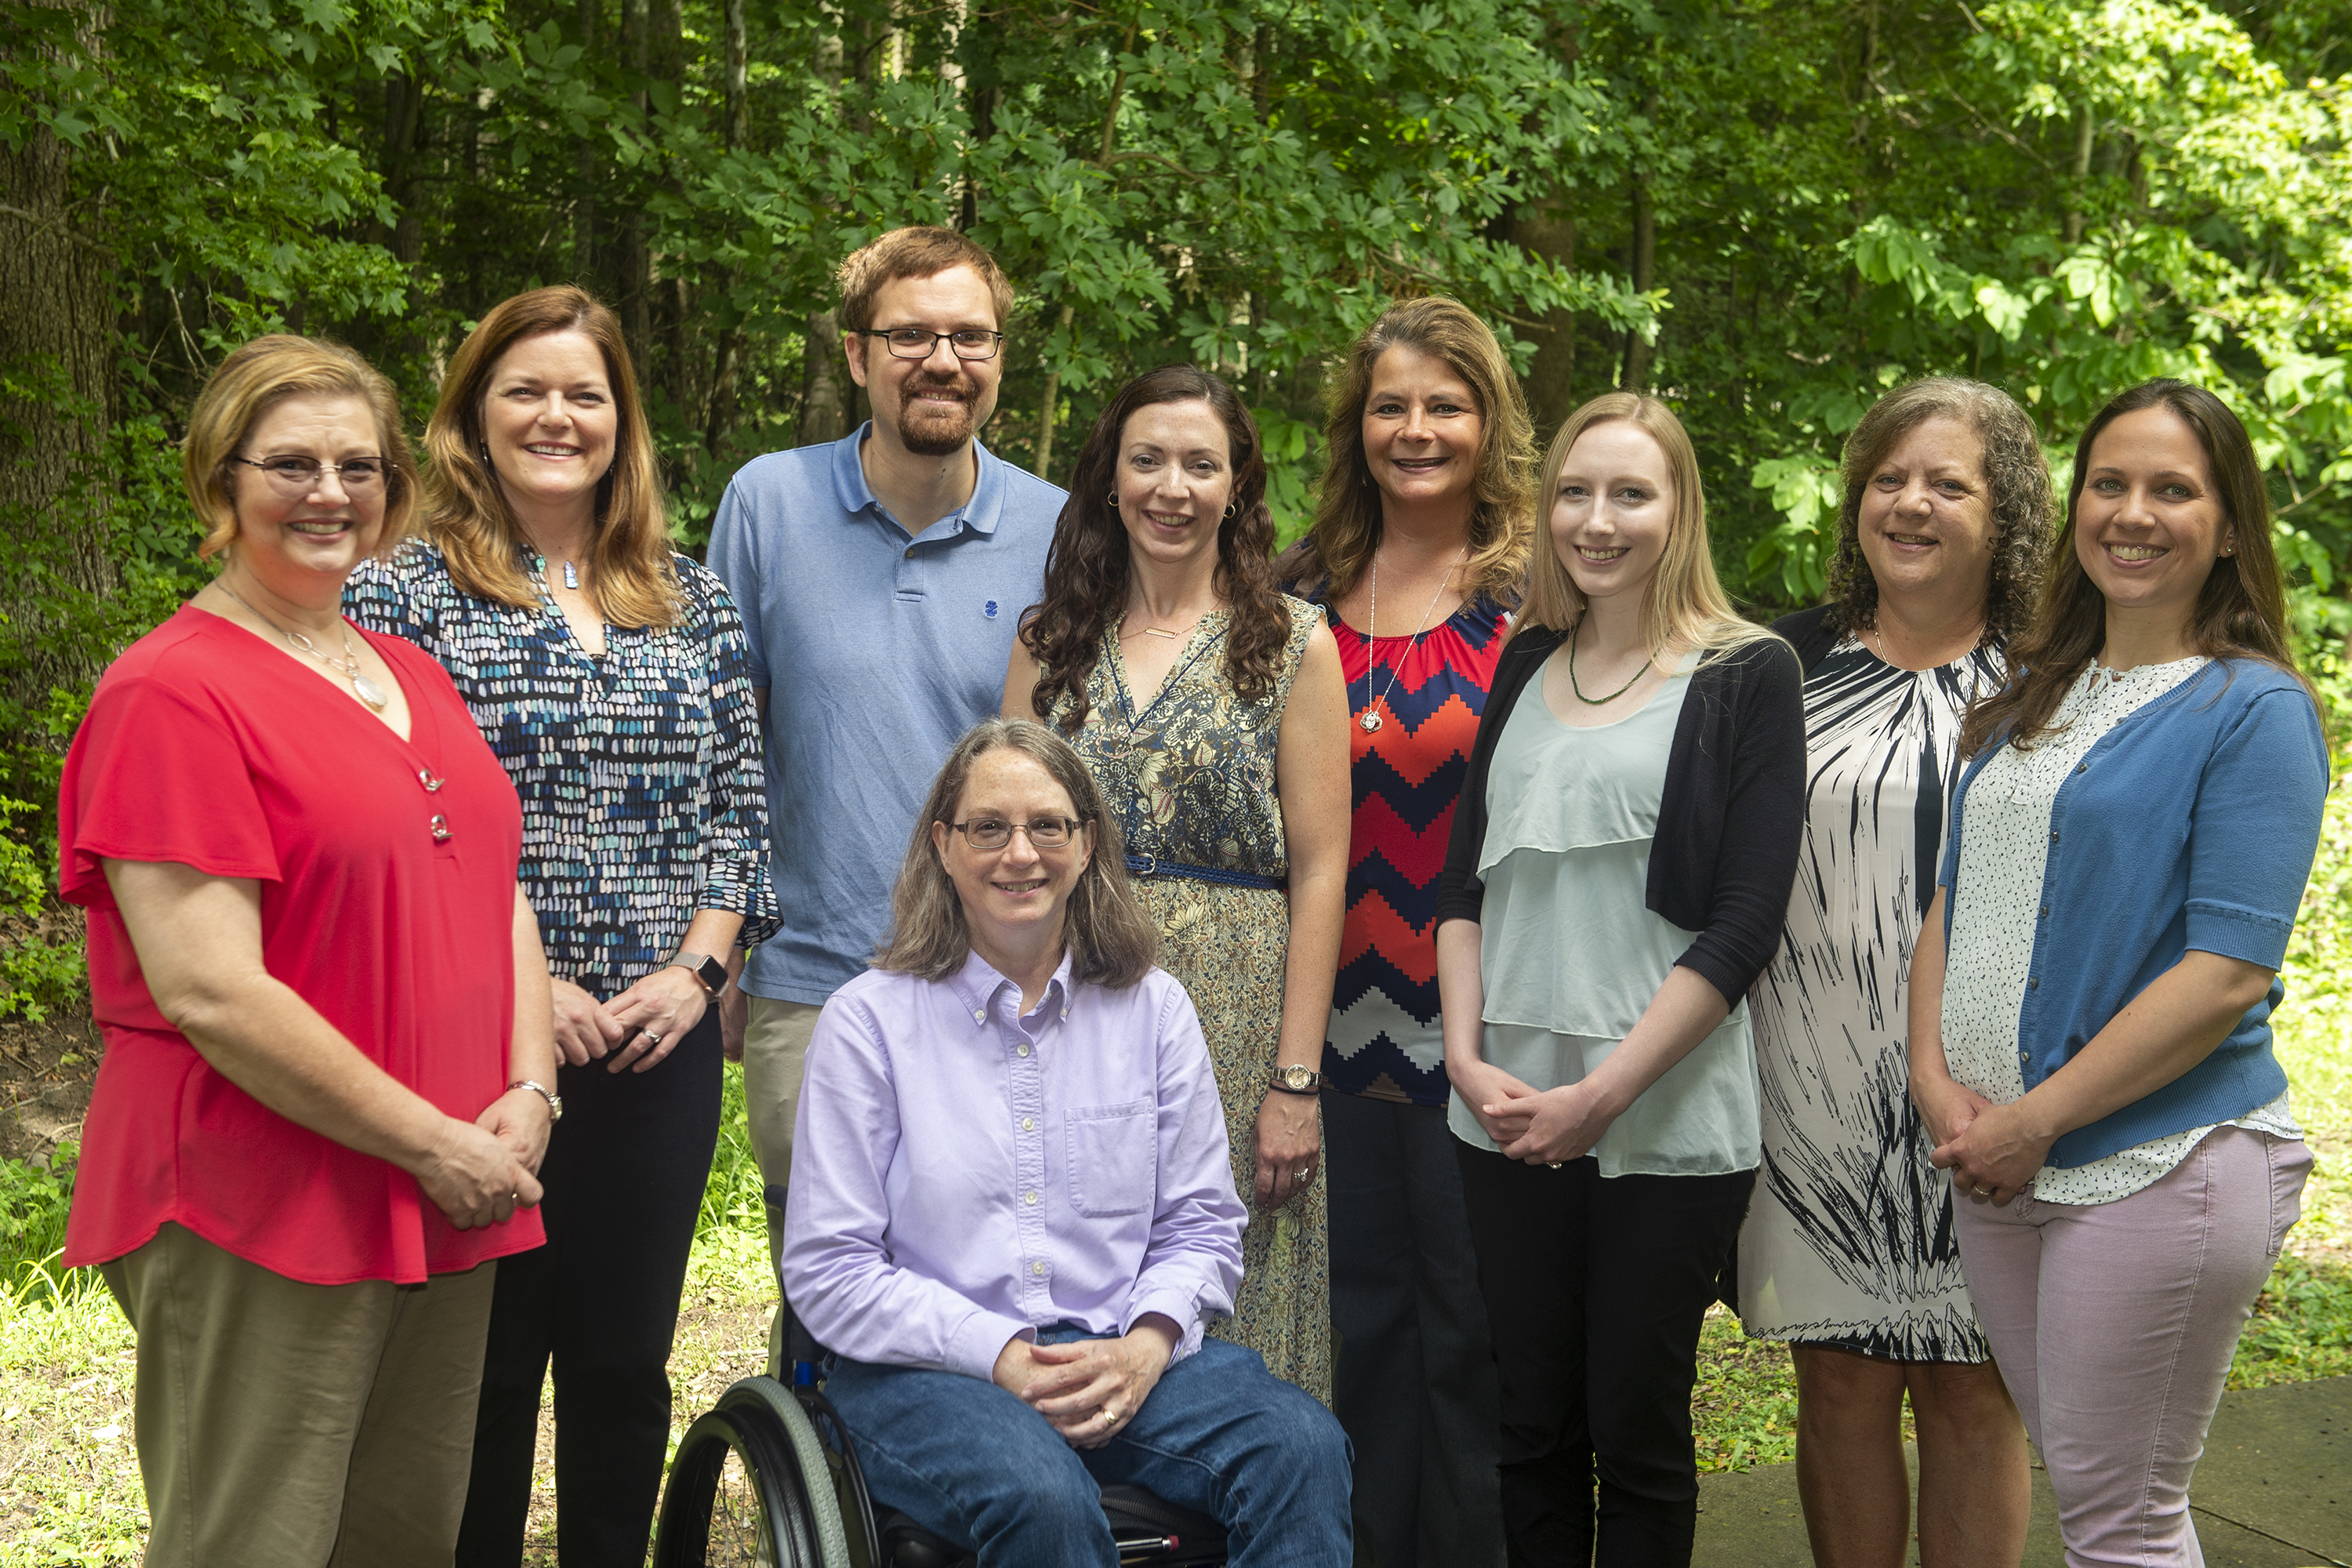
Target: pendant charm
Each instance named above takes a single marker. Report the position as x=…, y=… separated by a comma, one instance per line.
x=368, y=692
x=571, y=577
x=1370, y=722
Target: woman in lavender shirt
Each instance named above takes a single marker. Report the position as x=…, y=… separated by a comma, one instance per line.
x=1011, y=1209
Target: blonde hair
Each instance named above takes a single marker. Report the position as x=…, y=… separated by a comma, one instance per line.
x=1339, y=548
x=467, y=512
x=1111, y=941
x=1685, y=604
x=255, y=379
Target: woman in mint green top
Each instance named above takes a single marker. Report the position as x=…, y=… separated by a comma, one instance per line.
x=1571, y=956
x=1618, y=875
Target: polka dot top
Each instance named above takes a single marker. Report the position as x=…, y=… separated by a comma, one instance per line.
x=2004, y=857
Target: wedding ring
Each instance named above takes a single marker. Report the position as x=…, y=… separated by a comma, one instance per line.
x=1109, y=1412
x=1553, y=1164
x=1299, y=1174
x=652, y=1038
x=1981, y=1192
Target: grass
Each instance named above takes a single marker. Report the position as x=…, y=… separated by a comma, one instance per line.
x=70, y=1490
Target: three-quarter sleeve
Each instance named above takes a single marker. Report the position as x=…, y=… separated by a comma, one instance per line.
x=838, y=1269
x=2253, y=829
x=1193, y=1262
x=735, y=830
x=1763, y=824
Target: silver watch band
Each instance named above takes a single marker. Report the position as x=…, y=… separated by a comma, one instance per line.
x=554, y=1101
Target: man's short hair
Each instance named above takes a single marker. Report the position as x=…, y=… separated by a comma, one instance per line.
x=919, y=250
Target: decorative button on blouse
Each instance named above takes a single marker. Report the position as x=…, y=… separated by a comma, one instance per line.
x=440, y=827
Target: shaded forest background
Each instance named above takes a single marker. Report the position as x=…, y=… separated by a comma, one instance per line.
x=1765, y=210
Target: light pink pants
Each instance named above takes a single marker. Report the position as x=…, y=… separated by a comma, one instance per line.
x=2114, y=1325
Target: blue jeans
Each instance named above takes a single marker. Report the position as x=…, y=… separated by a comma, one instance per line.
x=1218, y=1433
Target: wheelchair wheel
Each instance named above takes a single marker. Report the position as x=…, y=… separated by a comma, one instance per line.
x=739, y=1494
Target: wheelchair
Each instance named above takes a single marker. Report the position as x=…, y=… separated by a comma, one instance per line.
x=768, y=1476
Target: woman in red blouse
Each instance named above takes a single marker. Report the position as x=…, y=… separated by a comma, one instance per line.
x=1420, y=541
x=326, y=1013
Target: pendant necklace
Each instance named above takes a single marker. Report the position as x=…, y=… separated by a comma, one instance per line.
x=348, y=666
x=571, y=575
x=1371, y=722
x=1176, y=635
x=1597, y=702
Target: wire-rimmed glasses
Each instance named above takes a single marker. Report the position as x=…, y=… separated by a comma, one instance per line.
x=295, y=477
x=995, y=832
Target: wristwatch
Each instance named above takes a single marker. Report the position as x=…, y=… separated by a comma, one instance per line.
x=555, y=1101
x=703, y=967
x=1297, y=1080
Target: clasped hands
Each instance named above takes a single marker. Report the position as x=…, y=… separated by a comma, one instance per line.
x=1088, y=1390
x=1992, y=1150
x=637, y=1028
x=1539, y=1127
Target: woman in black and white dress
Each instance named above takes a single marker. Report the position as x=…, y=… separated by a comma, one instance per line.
x=1848, y=1251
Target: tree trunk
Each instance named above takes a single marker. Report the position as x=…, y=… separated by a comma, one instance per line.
x=584, y=206
x=2086, y=132
x=634, y=284
x=58, y=333
x=1646, y=251
x=1550, y=232
x=825, y=383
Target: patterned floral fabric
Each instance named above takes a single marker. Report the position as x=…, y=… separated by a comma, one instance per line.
x=1191, y=777
x=643, y=794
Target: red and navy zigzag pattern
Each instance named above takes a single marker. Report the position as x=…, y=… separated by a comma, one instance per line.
x=1406, y=777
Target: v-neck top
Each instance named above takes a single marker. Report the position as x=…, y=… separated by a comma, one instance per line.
x=387, y=882
x=644, y=795
x=1192, y=773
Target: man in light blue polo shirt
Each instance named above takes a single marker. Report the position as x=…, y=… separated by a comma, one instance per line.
x=881, y=578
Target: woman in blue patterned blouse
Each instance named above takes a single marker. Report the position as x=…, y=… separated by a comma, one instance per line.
x=608, y=675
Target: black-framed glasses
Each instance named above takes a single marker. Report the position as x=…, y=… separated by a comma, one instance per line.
x=995, y=832
x=293, y=475
x=921, y=343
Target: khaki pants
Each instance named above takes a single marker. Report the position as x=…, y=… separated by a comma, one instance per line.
x=775, y=1047
x=291, y=1425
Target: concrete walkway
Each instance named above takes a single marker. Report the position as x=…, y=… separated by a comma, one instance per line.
x=2274, y=1491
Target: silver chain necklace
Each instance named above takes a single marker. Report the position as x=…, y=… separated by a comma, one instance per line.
x=348, y=666
x=1371, y=722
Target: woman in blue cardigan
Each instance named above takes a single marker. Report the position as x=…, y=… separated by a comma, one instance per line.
x=2091, y=994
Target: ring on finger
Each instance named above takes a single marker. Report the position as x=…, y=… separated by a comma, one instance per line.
x=652, y=1038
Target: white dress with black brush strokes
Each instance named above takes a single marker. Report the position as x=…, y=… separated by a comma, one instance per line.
x=1849, y=1239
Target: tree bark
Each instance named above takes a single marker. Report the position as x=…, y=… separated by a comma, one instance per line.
x=825, y=379
x=1550, y=232
x=584, y=207
x=58, y=333
x=1636, y=377
x=634, y=284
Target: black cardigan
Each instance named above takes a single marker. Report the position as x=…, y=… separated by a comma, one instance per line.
x=1729, y=822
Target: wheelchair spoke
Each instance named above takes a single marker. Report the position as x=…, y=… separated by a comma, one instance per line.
x=739, y=1537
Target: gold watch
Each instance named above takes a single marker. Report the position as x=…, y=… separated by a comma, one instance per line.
x=1297, y=1079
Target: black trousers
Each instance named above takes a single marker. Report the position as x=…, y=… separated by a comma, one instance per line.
x=625, y=1176
x=1415, y=1385
x=1595, y=1291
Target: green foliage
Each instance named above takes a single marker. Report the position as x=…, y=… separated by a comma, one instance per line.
x=34, y=1198
x=733, y=1199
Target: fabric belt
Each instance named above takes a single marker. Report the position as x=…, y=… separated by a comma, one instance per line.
x=1153, y=866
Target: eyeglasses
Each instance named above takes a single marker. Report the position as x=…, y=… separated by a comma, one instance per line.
x=297, y=477
x=921, y=343
x=995, y=832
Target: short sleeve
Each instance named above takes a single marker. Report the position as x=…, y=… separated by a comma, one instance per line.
x=154, y=775
x=2254, y=829
x=734, y=556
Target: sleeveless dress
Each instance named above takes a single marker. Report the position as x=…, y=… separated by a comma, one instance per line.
x=1849, y=1239
x=1192, y=779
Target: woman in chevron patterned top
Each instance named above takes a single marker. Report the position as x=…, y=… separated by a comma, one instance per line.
x=1420, y=541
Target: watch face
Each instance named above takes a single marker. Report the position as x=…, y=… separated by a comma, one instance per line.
x=1297, y=1076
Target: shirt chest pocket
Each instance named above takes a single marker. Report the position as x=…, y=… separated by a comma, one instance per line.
x=1114, y=1157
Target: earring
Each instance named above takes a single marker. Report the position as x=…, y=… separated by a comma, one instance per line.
x=1230, y=508
x=1113, y=500
x=486, y=455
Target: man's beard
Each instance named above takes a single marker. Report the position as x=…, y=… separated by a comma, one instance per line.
x=934, y=429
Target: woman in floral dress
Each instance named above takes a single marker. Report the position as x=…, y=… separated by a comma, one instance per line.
x=1210, y=708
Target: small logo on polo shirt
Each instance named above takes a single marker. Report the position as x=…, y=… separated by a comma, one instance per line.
x=988, y=609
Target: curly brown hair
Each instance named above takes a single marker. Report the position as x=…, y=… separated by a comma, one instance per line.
x=1086, y=569
x=2017, y=479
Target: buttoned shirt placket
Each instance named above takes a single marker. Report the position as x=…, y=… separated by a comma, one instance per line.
x=1023, y=1039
